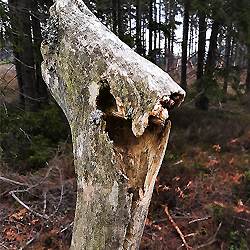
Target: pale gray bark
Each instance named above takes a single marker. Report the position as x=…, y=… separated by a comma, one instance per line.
x=117, y=106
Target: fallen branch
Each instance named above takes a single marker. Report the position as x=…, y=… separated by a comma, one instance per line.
x=200, y=219
x=70, y=225
x=177, y=228
x=240, y=218
x=12, y=182
x=31, y=240
x=24, y=205
x=26, y=190
x=44, y=203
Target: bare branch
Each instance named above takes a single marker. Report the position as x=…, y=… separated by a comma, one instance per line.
x=200, y=219
x=7, y=71
x=12, y=182
x=26, y=190
x=20, y=60
x=24, y=205
x=70, y=225
x=31, y=240
x=34, y=99
x=9, y=82
x=177, y=228
x=240, y=218
x=25, y=134
x=44, y=202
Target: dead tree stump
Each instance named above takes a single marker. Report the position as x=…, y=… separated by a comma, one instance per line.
x=116, y=103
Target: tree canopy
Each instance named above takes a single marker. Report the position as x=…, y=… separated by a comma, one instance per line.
x=151, y=28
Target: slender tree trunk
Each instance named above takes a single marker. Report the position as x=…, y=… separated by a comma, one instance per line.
x=28, y=66
x=228, y=48
x=138, y=28
x=184, y=46
x=167, y=35
x=226, y=65
x=119, y=19
x=172, y=32
x=114, y=15
x=15, y=44
x=155, y=31
x=159, y=38
x=150, y=28
x=192, y=49
x=201, y=46
x=130, y=20
x=202, y=101
x=18, y=65
x=211, y=58
x=41, y=85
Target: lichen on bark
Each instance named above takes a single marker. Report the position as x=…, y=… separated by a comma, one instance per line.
x=116, y=103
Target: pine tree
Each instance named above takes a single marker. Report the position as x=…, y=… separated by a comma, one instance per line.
x=22, y=28
x=184, y=45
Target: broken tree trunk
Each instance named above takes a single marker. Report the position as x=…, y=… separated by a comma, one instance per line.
x=116, y=103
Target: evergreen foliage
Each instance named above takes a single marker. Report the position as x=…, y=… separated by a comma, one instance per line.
x=28, y=138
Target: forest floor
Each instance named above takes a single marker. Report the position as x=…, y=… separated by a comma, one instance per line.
x=201, y=198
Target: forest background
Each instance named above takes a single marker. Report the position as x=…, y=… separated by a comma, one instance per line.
x=202, y=194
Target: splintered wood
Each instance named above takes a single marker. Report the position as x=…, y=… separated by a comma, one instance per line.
x=117, y=104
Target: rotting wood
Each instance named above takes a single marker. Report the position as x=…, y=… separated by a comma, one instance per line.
x=117, y=104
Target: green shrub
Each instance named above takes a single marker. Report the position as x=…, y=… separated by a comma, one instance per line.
x=28, y=137
x=217, y=210
x=40, y=152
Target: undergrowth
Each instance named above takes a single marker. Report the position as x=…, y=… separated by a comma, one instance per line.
x=37, y=209
x=204, y=181
x=29, y=139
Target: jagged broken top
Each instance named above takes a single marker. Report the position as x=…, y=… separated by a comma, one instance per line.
x=87, y=53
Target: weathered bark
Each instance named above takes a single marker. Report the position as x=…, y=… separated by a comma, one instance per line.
x=117, y=105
